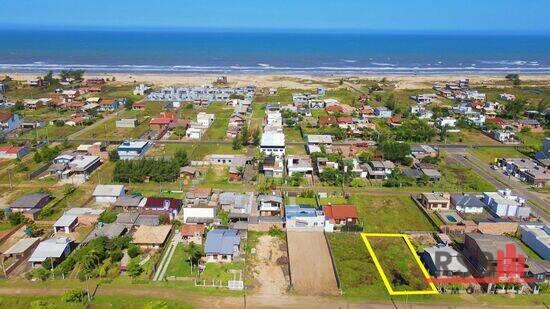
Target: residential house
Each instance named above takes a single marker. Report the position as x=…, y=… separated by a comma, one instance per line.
x=197, y=196
x=132, y=150
x=425, y=98
x=273, y=144
x=504, y=136
x=21, y=249
x=435, y=200
x=467, y=203
x=205, y=119
x=109, y=230
x=443, y=261
x=382, y=112
x=65, y=224
x=270, y=204
x=421, y=151
x=139, y=106
x=162, y=122
x=142, y=89
x=299, y=217
x=378, y=169
x=272, y=166
x=30, y=204
x=338, y=216
x=236, y=203
x=126, y=123
x=299, y=164
x=13, y=152
x=537, y=237
x=166, y=207
x=194, y=133
x=316, y=142
x=192, y=233
x=504, y=204
x=532, y=125
x=430, y=170
x=9, y=121
x=151, y=237
x=222, y=245
x=56, y=249
x=108, y=194
x=132, y=202
x=323, y=163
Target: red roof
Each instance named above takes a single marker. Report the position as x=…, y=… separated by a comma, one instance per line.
x=157, y=203
x=107, y=102
x=335, y=107
x=327, y=120
x=192, y=229
x=496, y=120
x=11, y=149
x=138, y=104
x=344, y=120
x=4, y=116
x=161, y=121
x=340, y=212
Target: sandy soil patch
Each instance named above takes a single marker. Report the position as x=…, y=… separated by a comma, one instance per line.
x=268, y=273
x=311, y=268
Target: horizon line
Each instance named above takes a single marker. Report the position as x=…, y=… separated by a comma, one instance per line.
x=112, y=28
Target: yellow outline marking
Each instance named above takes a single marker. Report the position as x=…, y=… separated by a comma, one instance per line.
x=383, y=275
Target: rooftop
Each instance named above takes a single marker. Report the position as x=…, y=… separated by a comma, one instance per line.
x=151, y=234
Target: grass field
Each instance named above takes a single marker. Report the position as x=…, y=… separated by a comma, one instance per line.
x=179, y=265
x=389, y=214
x=51, y=132
x=292, y=134
x=221, y=271
x=488, y=155
x=398, y=264
x=457, y=178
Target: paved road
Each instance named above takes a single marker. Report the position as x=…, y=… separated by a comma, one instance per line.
x=539, y=206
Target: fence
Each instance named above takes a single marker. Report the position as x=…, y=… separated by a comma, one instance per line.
x=37, y=172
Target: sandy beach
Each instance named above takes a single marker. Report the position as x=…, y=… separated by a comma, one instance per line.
x=296, y=81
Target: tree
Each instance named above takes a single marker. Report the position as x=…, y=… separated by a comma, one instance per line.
x=113, y=155
x=237, y=144
x=40, y=273
x=256, y=137
x=245, y=135
x=514, y=78
x=364, y=157
x=133, y=251
x=181, y=158
x=134, y=269
x=108, y=216
x=179, y=131
x=395, y=151
x=128, y=103
x=296, y=179
x=16, y=218
x=194, y=253
x=515, y=108
x=74, y=296
x=332, y=177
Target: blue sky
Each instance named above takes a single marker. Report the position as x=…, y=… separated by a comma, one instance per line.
x=526, y=16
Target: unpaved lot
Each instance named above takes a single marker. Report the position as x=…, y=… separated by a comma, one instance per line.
x=268, y=274
x=311, y=268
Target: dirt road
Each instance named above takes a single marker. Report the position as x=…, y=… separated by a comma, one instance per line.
x=311, y=268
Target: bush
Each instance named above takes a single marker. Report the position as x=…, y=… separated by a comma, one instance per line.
x=133, y=251
x=275, y=231
x=116, y=256
x=74, y=296
x=108, y=216
x=40, y=273
x=16, y=218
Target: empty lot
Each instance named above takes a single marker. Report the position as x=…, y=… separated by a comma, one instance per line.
x=311, y=268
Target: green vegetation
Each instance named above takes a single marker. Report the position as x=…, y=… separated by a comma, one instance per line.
x=390, y=214
x=489, y=154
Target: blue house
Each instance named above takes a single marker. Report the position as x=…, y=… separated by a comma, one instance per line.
x=132, y=150
x=382, y=112
x=301, y=217
x=222, y=245
x=9, y=121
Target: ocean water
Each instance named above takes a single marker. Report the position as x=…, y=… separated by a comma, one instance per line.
x=289, y=53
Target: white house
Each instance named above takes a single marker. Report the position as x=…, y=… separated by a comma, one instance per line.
x=198, y=211
x=273, y=143
x=537, y=237
x=205, y=119
x=504, y=204
x=304, y=218
x=299, y=164
x=193, y=133
x=448, y=122
x=108, y=194
x=65, y=224
x=132, y=150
